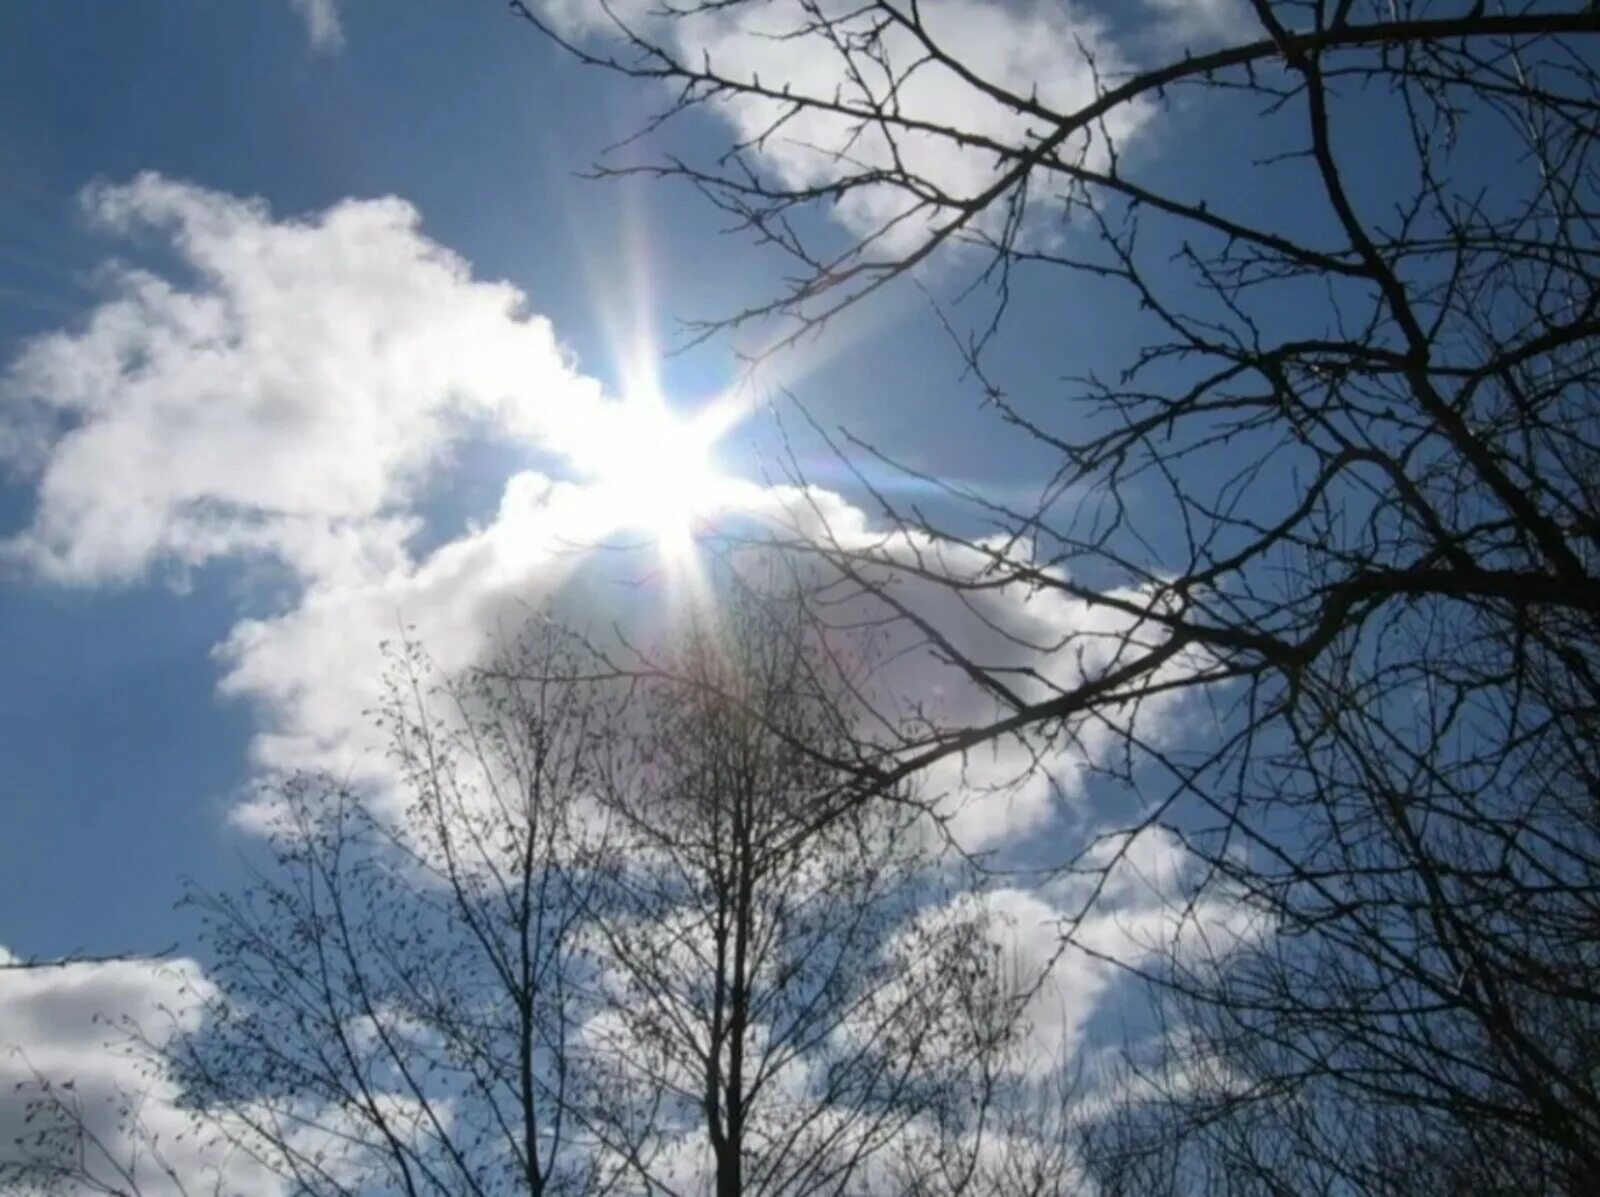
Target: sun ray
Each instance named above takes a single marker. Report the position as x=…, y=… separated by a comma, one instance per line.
x=654, y=472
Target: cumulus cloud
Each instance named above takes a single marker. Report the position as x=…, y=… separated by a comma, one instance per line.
x=1041, y=641
x=90, y=1093
x=1046, y=643
x=66, y=1067
x=289, y=388
x=323, y=26
x=312, y=670
x=306, y=377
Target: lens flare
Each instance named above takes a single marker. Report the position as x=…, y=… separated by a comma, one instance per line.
x=658, y=473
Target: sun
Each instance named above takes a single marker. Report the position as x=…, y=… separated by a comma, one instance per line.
x=658, y=474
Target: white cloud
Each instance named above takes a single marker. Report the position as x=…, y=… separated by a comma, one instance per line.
x=1069, y=943
x=65, y=1058
x=87, y=1086
x=314, y=670
x=1029, y=49
x=1040, y=641
x=287, y=391
x=323, y=26
x=289, y=388
x=291, y=397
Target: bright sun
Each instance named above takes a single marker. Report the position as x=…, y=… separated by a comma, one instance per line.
x=658, y=473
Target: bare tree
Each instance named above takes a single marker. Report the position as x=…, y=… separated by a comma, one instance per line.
x=605, y=935
x=1343, y=496
x=397, y=988
x=789, y=1001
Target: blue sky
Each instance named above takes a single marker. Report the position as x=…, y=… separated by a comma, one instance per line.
x=121, y=762
x=311, y=333
x=302, y=336
x=153, y=674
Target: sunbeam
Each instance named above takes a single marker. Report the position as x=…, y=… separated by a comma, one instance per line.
x=658, y=473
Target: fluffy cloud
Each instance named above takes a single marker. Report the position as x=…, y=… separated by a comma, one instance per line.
x=313, y=671
x=1040, y=641
x=288, y=387
x=305, y=377
x=88, y=1090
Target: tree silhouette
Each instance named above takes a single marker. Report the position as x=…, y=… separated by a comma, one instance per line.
x=602, y=934
x=1340, y=502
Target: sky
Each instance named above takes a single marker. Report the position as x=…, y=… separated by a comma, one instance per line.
x=121, y=762
x=123, y=759
x=310, y=330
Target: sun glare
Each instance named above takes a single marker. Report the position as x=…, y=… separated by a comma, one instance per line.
x=660, y=475
x=652, y=466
